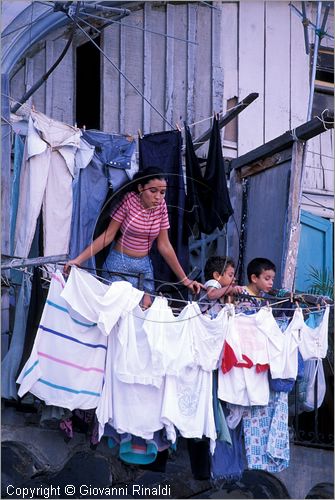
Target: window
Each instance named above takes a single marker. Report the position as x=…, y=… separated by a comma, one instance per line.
x=324, y=81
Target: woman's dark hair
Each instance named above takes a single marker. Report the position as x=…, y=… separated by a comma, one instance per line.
x=145, y=176
x=217, y=264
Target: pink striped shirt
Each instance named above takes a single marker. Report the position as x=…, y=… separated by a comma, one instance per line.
x=139, y=226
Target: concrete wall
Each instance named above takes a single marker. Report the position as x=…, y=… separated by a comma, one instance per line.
x=308, y=466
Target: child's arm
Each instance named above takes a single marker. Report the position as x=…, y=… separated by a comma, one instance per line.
x=217, y=293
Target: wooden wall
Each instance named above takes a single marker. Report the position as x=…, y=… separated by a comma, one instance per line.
x=241, y=47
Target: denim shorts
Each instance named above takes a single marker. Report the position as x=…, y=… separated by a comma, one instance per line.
x=122, y=263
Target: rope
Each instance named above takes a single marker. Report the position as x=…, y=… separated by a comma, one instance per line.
x=323, y=121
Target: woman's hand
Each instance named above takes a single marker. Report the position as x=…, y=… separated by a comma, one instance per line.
x=69, y=264
x=194, y=286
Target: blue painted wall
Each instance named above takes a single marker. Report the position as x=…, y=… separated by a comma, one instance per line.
x=315, y=249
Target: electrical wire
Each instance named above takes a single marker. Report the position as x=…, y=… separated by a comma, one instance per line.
x=36, y=85
x=111, y=21
x=42, y=16
x=297, y=11
x=317, y=203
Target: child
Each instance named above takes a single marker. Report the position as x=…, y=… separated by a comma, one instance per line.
x=261, y=274
x=220, y=282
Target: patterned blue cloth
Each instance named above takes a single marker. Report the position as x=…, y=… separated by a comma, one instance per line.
x=266, y=435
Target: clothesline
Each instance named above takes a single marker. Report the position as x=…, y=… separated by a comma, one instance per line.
x=266, y=300
x=32, y=108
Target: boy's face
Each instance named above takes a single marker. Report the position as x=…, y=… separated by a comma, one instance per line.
x=264, y=282
x=227, y=277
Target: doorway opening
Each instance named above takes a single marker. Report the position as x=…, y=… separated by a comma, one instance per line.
x=88, y=86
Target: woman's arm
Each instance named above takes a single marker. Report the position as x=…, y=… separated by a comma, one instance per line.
x=96, y=246
x=169, y=255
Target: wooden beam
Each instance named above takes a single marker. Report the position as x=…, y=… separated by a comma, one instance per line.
x=265, y=163
x=304, y=132
x=226, y=118
x=292, y=230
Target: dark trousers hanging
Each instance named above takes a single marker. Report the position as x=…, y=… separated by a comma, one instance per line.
x=163, y=150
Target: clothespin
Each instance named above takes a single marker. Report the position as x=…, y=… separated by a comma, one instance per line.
x=229, y=299
x=140, y=135
x=318, y=306
x=178, y=127
x=84, y=127
x=291, y=297
x=297, y=304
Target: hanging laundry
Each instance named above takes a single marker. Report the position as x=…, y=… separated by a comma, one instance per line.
x=208, y=203
x=46, y=182
x=121, y=404
x=97, y=302
x=187, y=403
x=133, y=362
x=227, y=462
x=313, y=349
x=19, y=142
x=109, y=169
x=36, y=306
x=293, y=340
x=315, y=335
x=11, y=361
x=254, y=343
x=66, y=366
x=136, y=450
x=115, y=152
x=163, y=150
x=198, y=193
x=170, y=341
x=266, y=434
x=132, y=395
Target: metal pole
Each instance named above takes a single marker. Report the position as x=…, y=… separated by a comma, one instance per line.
x=315, y=57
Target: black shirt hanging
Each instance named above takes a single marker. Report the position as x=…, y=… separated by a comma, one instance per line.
x=208, y=203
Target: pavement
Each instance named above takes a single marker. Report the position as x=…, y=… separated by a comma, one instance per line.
x=93, y=474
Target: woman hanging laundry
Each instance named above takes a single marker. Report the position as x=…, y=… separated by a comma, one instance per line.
x=141, y=218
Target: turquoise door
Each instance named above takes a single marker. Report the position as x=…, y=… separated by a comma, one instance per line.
x=315, y=249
